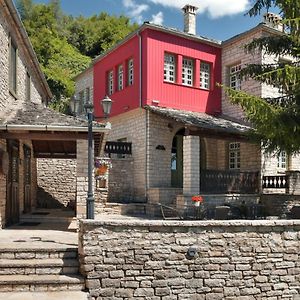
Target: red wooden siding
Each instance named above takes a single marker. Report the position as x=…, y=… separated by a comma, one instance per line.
x=176, y=95
x=128, y=98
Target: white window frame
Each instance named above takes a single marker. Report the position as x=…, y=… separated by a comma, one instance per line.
x=130, y=72
x=120, y=78
x=205, y=75
x=235, y=80
x=282, y=160
x=187, y=74
x=234, y=156
x=169, y=67
x=110, y=82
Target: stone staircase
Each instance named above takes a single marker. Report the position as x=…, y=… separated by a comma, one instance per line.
x=42, y=269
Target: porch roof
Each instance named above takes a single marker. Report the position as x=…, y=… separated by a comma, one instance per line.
x=203, y=124
x=53, y=134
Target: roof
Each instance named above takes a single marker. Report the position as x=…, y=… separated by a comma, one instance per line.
x=260, y=26
x=34, y=116
x=201, y=120
x=9, y=4
x=174, y=31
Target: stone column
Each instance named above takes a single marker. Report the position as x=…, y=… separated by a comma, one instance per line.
x=82, y=178
x=191, y=163
x=293, y=183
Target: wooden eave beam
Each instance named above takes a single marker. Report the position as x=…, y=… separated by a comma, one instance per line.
x=44, y=136
x=213, y=133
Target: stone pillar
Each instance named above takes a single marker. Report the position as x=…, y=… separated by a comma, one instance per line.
x=191, y=164
x=293, y=183
x=82, y=178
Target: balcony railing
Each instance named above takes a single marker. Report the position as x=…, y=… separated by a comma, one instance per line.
x=223, y=182
x=118, y=148
x=275, y=182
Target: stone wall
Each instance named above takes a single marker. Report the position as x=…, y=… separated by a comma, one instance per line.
x=243, y=260
x=56, y=183
x=121, y=183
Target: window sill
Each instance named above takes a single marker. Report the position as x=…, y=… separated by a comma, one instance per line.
x=188, y=86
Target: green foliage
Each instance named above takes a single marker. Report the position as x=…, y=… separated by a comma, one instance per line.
x=94, y=35
x=276, y=119
x=65, y=45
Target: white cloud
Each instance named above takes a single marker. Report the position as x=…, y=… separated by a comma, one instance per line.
x=215, y=8
x=158, y=18
x=135, y=10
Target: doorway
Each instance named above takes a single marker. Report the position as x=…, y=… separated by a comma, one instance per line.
x=177, y=161
x=27, y=179
x=12, y=195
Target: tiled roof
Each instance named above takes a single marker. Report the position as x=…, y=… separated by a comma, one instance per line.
x=201, y=120
x=33, y=114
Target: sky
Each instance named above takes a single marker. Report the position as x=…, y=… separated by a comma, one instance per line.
x=217, y=19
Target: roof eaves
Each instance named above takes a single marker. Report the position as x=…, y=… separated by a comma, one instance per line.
x=261, y=26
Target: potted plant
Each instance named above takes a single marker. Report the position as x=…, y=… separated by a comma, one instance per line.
x=101, y=166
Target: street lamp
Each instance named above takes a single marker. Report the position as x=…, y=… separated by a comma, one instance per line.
x=90, y=200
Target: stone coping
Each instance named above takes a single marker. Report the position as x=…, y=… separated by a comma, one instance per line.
x=181, y=223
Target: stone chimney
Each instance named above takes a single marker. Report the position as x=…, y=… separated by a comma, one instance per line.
x=274, y=21
x=189, y=12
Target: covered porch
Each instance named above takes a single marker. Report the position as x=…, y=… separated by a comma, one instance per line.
x=37, y=140
x=210, y=156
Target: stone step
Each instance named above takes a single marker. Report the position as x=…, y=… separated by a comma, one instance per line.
x=38, y=252
x=39, y=266
x=26, y=283
x=69, y=295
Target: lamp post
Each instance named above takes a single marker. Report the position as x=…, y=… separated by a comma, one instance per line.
x=90, y=200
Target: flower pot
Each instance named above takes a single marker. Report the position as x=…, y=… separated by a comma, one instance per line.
x=102, y=170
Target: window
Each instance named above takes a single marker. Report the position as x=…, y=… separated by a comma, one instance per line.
x=87, y=95
x=234, y=156
x=27, y=87
x=110, y=82
x=120, y=77
x=130, y=72
x=80, y=103
x=282, y=160
x=169, y=68
x=205, y=75
x=13, y=67
x=187, y=71
x=235, y=77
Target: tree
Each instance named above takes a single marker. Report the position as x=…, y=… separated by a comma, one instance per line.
x=65, y=45
x=276, y=120
x=94, y=35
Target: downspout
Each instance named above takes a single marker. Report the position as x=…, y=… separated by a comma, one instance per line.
x=146, y=116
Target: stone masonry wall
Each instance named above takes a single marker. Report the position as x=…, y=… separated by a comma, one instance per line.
x=57, y=179
x=243, y=260
x=121, y=184
x=7, y=100
x=132, y=126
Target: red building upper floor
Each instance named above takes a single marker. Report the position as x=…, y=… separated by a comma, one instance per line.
x=160, y=66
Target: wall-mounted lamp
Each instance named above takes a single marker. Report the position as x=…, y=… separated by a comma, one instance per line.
x=160, y=147
x=192, y=252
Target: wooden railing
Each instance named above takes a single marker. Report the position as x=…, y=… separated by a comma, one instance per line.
x=275, y=182
x=222, y=182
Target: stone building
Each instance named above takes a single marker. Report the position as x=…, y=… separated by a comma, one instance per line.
x=186, y=137
x=29, y=131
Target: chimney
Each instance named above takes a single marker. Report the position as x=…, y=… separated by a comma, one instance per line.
x=274, y=21
x=189, y=12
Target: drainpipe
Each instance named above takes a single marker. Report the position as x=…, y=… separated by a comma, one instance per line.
x=146, y=116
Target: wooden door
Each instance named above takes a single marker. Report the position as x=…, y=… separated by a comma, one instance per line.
x=12, y=197
x=27, y=179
